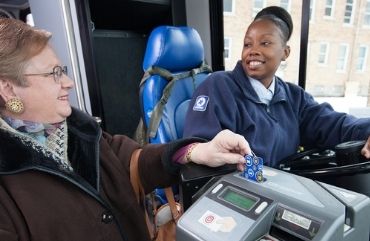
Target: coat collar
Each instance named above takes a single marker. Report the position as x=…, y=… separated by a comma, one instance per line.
x=83, y=150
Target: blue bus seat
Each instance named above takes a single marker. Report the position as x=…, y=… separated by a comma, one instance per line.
x=174, y=66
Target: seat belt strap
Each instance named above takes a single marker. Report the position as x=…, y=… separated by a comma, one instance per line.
x=157, y=112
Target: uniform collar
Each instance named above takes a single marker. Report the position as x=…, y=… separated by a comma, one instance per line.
x=264, y=94
x=245, y=84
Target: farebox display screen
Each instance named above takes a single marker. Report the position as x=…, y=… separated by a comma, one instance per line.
x=238, y=199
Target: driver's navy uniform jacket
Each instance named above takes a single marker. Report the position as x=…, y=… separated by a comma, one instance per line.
x=41, y=201
x=227, y=100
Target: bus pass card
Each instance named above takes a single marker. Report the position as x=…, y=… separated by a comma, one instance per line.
x=253, y=168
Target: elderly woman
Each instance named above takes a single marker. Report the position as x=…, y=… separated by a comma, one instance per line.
x=61, y=177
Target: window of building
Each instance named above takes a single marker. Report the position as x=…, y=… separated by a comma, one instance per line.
x=227, y=47
x=367, y=14
x=348, y=12
x=361, y=61
x=329, y=8
x=312, y=10
x=323, y=53
x=342, y=57
x=228, y=6
x=257, y=6
x=285, y=4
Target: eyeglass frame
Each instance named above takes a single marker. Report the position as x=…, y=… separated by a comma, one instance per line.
x=63, y=70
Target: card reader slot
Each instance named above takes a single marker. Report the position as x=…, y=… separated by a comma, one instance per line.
x=282, y=235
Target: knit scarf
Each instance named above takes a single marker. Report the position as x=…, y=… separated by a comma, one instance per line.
x=52, y=138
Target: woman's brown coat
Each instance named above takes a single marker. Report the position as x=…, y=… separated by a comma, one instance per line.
x=42, y=202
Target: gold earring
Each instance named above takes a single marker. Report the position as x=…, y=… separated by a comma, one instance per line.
x=15, y=105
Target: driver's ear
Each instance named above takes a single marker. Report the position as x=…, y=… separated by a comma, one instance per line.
x=286, y=53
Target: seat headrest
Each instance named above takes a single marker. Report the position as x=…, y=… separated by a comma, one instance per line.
x=174, y=48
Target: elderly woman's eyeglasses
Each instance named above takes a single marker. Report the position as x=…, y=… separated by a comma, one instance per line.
x=57, y=73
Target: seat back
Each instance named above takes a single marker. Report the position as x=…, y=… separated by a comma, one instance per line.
x=174, y=66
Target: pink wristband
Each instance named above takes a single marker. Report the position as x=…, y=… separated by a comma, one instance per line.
x=180, y=154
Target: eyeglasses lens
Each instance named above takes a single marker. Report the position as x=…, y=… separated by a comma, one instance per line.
x=58, y=71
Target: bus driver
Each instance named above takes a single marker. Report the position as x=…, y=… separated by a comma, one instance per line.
x=275, y=117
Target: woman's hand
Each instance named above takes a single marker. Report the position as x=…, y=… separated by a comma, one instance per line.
x=225, y=148
x=366, y=149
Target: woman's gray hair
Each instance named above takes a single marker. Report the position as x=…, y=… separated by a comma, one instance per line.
x=19, y=42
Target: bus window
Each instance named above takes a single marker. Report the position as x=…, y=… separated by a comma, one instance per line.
x=337, y=60
x=237, y=21
x=343, y=39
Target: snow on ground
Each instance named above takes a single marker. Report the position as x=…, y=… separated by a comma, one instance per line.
x=353, y=105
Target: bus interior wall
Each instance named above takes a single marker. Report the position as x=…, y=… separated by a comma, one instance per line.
x=119, y=40
x=118, y=58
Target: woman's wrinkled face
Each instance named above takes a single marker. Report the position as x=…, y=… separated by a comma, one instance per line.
x=45, y=100
x=263, y=50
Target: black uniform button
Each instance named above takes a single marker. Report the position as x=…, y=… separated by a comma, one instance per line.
x=107, y=217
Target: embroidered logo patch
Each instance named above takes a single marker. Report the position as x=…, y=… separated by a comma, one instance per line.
x=201, y=103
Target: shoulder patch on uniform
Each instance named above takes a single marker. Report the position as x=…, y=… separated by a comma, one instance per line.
x=201, y=103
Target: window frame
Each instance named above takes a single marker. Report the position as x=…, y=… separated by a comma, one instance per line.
x=327, y=44
x=345, y=57
x=256, y=10
x=289, y=4
x=232, y=8
x=352, y=12
x=312, y=10
x=364, y=58
x=228, y=48
x=366, y=15
x=332, y=9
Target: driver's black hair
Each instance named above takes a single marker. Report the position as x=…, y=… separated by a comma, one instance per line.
x=280, y=17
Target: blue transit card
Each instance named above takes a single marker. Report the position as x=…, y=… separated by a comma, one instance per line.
x=253, y=168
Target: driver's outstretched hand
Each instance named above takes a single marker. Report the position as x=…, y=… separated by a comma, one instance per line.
x=366, y=149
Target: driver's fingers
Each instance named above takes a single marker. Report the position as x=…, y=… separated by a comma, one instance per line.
x=365, y=151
